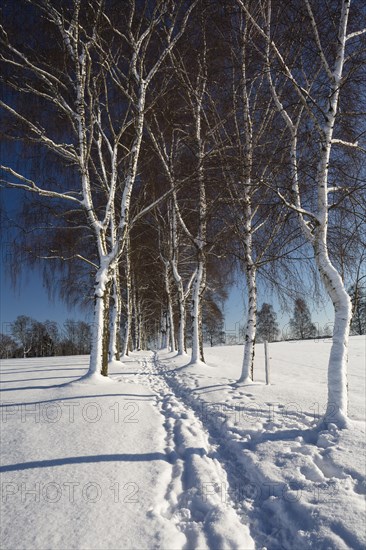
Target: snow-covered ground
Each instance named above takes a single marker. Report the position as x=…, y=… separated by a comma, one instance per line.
x=169, y=457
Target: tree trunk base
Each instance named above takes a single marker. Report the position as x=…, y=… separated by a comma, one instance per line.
x=334, y=418
x=243, y=382
x=92, y=378
x=197, y=363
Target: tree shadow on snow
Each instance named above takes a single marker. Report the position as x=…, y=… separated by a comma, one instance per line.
x=40, y=370
x=93, y=459
x=52, y=462
x=31, y=379
x=37, y=387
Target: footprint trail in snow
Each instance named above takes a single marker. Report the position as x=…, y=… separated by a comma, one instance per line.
x=196, y=496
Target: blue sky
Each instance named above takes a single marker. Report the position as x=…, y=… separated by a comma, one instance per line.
x=235, y=314
x=31, y=298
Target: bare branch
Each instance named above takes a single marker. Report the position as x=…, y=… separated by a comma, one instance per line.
x=65, y=150
x=354, y=34
x=30, y=185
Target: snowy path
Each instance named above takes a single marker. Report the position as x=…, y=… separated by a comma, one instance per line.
x=228, y=479
x=198, y=495
x=121, y=465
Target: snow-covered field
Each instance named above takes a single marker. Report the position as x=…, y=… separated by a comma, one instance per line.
x=164, y=457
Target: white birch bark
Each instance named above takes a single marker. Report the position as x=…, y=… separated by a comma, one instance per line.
x=164, y=331
x=181, y=293
x=337, y=405
x=196, y=312
x=96, y=354
x=167, y=332
x=135, y=316
x=170, y=307
x=115, y=319
x=199, y=282
x=247, y=372
x=128, y=322
x=315, y=224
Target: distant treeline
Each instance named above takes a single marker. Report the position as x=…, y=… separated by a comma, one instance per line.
x=27, y=337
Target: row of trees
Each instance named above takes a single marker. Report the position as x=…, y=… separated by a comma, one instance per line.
x=31, y=338
x=28, y=337
x=168, y=141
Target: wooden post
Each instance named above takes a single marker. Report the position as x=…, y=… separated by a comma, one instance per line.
x=267, y=364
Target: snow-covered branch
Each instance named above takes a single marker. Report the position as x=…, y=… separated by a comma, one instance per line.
x=356, y=33
x=29, y=185
x=345, y=143
x=64, y=150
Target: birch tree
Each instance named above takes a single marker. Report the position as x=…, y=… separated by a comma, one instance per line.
x=198, y=147
x=97, y=60
x=165, y=255
x=307, y=87
x=168, y=141
x=256, y=221
x=128, y=299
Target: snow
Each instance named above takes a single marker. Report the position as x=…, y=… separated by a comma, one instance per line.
x=166, y=455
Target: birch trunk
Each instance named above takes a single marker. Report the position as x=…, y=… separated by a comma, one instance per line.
x=181, y=324
x=128, y=324
x=96, y=355
x=106, y=329
x=163, y=331
x=136, y=340
x=181, y=298
x=337, y=404
x=181, y=294
x=99, y=350
x=199, y=283
x=247, y=373
x=139, y=326
x=167, y=332
x=196, y=313
x=115, y=320
x=170, y=310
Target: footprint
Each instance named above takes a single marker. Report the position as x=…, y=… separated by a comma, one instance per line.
x=312, y=473
x=328, y=469
x=360, y=487
x=306, y=451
